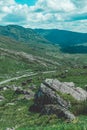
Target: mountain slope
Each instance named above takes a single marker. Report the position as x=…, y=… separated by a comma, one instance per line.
x=19, y=57
x=61, y=37
x=55, y=36
x=25, y=62
x=22, y=34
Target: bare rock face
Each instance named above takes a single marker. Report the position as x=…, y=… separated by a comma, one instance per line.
x=59, y=111
x=46, y=95
x=68, y=88
x=49, y=101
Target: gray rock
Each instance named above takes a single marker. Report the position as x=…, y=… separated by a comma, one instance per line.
x=59, y=111
x=70, y=84
x=5, y=88
x=68, y=88
x=48, y=101
x=1, y=98
x=10, y=128
x=28, y=94
x=19, y=90
x=32, y=87
x=16, y=88
x=46, y=95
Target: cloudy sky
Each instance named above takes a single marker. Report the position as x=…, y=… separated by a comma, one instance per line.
x=60, y=14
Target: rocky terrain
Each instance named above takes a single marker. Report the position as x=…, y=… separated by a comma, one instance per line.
x=41, y=87
x=49, y=99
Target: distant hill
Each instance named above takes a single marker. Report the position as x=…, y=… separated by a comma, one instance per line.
x=62, y=37
x=54, y=36
x=22, y=34
x=40, y=39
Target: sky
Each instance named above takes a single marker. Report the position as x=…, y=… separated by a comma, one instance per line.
x=28, y=2
x=48, y=14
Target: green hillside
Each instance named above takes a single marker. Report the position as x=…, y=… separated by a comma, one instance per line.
x=62, y=37
x=22, y=34
x=26, y=60
x=70, y=42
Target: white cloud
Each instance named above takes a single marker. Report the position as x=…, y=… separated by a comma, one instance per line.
x=7, y=2
x=56, y=5
x=64, y=14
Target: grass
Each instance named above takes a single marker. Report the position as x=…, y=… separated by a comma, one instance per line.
x=59, y=126
x=78, y=76
x=14, y=111
x=19, y=116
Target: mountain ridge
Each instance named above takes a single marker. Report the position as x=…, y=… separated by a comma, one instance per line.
x=21, y=34
x=62, y=37
x=52, y=36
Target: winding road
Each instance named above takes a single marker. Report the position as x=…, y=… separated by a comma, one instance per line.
x=25, y=75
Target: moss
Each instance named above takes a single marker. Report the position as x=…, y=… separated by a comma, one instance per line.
x=68, y=98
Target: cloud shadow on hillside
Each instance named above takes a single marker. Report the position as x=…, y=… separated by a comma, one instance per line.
x=74, y=49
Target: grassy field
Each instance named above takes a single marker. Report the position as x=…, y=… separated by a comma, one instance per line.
x=14, y=111
x=17, y=115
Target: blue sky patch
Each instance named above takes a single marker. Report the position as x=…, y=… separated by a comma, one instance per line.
x=28, y=2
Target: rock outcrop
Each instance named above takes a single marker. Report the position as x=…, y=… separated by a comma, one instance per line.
x=59, y=111
x=1, y=98
x=68, y=88
x=46, y=95
x=28, y=94
x=48, y=99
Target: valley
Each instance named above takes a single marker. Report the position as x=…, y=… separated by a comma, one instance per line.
x=27, y=59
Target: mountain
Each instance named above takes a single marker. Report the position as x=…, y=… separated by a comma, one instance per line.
x=52, y=36
x=18, y=38
x=62, y=37
x=21, y=34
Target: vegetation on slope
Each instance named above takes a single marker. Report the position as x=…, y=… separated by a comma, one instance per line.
x=14, y=110
x=62, y=37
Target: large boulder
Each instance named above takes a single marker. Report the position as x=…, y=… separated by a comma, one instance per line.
x=46, y=95
x=49, y=101
x=68, y=88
